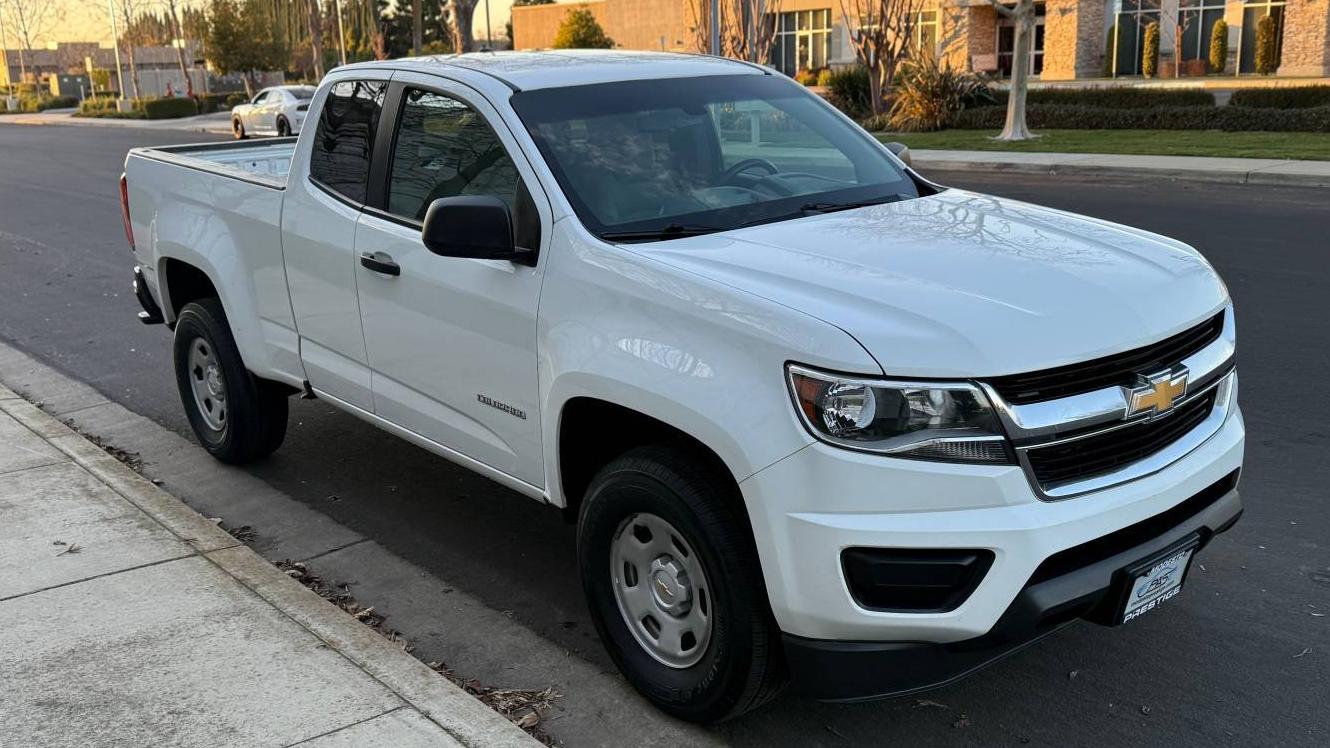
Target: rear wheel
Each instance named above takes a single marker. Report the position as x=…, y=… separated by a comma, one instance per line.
x=674, y=585
x=283, y=127
x=236, y=416
x=237, y=128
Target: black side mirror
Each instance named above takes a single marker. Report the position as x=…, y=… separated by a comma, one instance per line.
x=901, y=152
x=476, y=226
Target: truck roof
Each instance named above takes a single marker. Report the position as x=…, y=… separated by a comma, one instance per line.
x=576, y=67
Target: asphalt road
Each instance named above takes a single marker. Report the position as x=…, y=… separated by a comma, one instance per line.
x=1243, y=657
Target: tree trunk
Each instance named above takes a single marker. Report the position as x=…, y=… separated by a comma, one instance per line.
x=179, y=34
x=133, y=70
x=462, y=12
x=316, y=37
x=875, y=87
x=1015, y=128
x=417, y=27
x=249, y=84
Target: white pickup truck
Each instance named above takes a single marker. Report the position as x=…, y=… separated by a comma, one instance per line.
x=818, y=418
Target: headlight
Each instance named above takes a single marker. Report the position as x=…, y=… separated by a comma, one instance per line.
x=944, y=421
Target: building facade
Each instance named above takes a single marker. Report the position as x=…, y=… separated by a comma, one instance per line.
x=1074, y=39
x=85, y=69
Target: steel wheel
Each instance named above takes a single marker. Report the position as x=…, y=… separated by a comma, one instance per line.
x=207, y=384
x=662, y=590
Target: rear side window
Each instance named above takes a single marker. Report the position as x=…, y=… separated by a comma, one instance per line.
x=345, y=137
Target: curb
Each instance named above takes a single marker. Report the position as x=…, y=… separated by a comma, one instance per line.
x=1257, y=176
x=463, y=717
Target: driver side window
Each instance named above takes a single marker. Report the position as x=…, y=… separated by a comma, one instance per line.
x=445, y=148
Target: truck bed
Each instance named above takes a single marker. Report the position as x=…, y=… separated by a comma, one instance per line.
x=264, y=162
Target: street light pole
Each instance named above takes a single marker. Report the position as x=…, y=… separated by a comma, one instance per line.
x=489, y=33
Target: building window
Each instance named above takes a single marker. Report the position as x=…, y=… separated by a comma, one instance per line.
x=1006, y=44
x=803, y=41
x=1252, y=13
x=923, y=31
x=1197, y=19
x=1132, y=18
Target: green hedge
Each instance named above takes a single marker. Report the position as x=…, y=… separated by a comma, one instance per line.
x=168, y=108
x=848, y=91
x=1115, y=97
x=236, y=99
x=209, y=103
x=1231, y=118
x=1297, y=97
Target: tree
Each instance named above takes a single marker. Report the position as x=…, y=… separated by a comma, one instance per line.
x=460, y=15
x=1023, y=14
x=30, y=20
x=1150, y=50
x=747, y=27
x=581, y=30
x=243, y=39
x=179, y=33
x=1219, y=46
x=132, y=35
x=880, y=31
x=1267, y=45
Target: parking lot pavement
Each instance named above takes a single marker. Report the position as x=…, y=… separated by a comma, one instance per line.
x=132, y=620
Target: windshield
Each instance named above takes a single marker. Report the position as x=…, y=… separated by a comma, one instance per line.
x=303, y=93
x=659, y=159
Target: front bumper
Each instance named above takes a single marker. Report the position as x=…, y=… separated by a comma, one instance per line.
x=811, y=506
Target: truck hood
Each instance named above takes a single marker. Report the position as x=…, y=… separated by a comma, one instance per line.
x=960, y=284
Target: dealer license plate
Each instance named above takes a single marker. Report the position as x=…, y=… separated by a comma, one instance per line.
x=1157, y=583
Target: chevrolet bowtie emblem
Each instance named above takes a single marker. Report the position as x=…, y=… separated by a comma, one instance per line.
x=1157, y=392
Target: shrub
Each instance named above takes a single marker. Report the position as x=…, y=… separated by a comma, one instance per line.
x=57, y=102
x=1229, y=118
x=1150, y=50
x=805, y=77
x=931, y=95
x=824, y=77
x=209, y=103
x=235, y=100
x=1294, y=97
x=848, y=91
x=1267, y=46
x=1219, y=46
x=581, y=30
x=1115, y=97
x=168, y=108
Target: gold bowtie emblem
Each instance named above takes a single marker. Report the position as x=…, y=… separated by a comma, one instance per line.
x=1157, y=393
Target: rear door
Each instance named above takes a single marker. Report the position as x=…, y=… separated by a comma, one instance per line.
x=452, y=341
x=319, y=217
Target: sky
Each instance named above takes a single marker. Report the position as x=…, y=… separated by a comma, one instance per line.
x=87, y=20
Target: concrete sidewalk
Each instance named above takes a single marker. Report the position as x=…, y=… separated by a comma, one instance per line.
x=1260, y=171
x=129, y=619
x=217, y=122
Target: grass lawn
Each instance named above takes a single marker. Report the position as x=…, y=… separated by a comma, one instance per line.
x=1299, y=145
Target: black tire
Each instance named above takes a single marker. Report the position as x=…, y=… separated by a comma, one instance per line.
x=238, y=128
x=743, y=664
x=254, y=423
x=283, y=127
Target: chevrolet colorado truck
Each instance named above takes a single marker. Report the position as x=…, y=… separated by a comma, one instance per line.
x=818, y=419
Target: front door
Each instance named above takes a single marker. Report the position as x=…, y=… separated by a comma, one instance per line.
x=452, y=341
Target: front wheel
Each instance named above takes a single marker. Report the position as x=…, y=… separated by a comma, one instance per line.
x=674, y=585
x=237, y=417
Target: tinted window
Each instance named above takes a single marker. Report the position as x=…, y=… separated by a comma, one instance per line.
x=304, y=93
x=444, y=149
x=661, y=158
x=345, y=137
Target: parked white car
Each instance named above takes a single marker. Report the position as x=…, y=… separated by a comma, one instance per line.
x=279, y=110
x=816, y=416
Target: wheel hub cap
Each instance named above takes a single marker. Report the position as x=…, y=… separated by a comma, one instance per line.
x=661, y=590
x=207, y=384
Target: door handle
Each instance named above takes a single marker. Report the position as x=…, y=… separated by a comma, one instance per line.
x=380, y=262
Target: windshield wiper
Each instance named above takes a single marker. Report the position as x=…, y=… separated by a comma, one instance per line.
x=833, y=207
x=672, y=231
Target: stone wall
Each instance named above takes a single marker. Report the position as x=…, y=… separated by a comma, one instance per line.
x=968, y=36
x=1074, y=37
x=1306, y=48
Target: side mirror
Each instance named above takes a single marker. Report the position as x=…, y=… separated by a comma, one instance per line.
x=902, y=152
x=475, y=226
